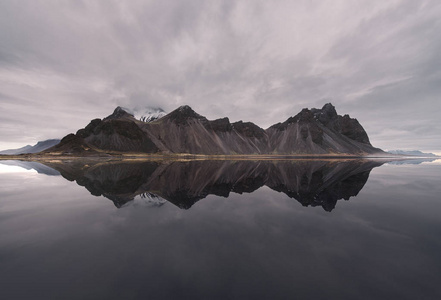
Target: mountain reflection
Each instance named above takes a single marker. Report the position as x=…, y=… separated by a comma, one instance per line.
x=183, y=183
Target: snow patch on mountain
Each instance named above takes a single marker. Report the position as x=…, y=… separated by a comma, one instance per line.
x=146, y=114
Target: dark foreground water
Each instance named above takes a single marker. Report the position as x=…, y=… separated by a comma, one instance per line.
x=220, y=230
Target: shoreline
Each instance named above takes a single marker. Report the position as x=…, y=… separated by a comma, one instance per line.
x=177, y=157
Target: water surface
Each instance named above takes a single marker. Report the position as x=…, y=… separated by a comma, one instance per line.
x=220, y=230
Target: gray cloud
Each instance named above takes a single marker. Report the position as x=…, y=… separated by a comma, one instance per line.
x=63, y=63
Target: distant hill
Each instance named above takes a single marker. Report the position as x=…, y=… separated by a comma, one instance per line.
x=40, y=146
x=16, y=151
x=310, y=132
x=411, y=153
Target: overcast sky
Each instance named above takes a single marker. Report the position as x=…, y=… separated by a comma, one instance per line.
x=63, y=63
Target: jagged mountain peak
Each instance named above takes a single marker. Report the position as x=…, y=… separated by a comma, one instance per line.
x=320, y=131
x=326, y=114
x=184, y=113
x=222, y=124
x=119, y=112
x=304, y=116
x=248, y=129
x=329, y=108
x=186, y=109
x=146, y=114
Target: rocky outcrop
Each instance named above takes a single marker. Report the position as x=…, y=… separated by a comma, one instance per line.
x=320, y=131
x=72, y=144
x=185, y=131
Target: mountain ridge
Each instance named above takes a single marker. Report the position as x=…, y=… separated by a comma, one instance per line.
x=310, y=132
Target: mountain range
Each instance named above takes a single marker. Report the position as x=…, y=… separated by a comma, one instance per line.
x=411, y=153
x=40, y=146
x=310, y=132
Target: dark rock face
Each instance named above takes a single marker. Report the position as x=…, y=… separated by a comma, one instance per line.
x=119, y=113
x=249, y=129
x=71, y=144
x=89, y=129
x=344, y=125
x=326, y=114
x=120, y=135
x=183, y=115
x=221, y=125
x=352, y=129
x=312, y=131
x=185, y=131
x=312, y=183
x=320, y=131
x=116, y=133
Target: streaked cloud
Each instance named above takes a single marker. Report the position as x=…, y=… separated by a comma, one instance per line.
x=63, y=63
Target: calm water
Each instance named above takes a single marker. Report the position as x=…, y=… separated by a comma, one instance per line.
x=220, y=230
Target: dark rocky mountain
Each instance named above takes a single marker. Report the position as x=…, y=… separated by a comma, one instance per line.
x=185, y=131
x=310, y=182
x=40, y=146
x=311, y=132
x=72, y=144
x=320, y=131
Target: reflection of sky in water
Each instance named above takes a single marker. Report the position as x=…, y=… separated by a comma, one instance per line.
x=14, y=169
x=435, y=162
x=58, y=241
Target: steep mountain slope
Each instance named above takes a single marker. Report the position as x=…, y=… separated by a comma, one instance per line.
x=319, y=131
x=71, y=144
x=311, y=132
x=185, y=131
x=119, y=132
